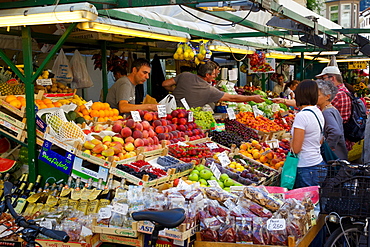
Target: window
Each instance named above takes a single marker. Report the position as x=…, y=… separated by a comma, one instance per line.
x=345, y=15
x=333, y=13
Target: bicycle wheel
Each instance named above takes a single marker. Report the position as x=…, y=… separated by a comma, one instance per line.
x=352, y=236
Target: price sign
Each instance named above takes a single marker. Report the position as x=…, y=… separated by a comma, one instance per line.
x=229, y=204
x=190, y=116
x=120, y=208
x=275, y=107
x=88, y=105
x=46, y=223
x=44, y=82
x=211, y=145
x=284, y=121
x=276, y=224
x=357, y=65
x=243, y=161
x=224, y=159
x=105, y=213
x=215, y=170
x=231, y=113
x=214, y=183
x=136, y=116
x=274, y=143
x=162, y=111
x=256, y=111
x=182, y=144
x=86, y=231
x=185, y=104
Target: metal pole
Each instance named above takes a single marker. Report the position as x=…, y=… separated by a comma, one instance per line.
x=30, y=105
x=104, y=69
x=302, y=67
x=149, y=81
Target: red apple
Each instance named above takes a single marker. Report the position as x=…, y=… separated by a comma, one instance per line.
x=126, y=132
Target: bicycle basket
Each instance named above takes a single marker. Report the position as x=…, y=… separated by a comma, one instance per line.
x=345, y=189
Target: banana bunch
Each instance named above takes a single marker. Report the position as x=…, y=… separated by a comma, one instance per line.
x=44, y=75
x=75, y=100
x=203, y=53
x=184, y=52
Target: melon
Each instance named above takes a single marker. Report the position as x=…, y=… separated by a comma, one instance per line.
x=4, y=145
x=7, y=165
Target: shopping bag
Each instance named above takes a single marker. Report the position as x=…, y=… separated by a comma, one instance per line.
x=62, y=69
x=289, y=172
x=170, y=102
x=326, y=152
x=81, y=77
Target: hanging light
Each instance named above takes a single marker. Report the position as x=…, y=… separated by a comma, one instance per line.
x=280, y=55
x=231, y=48
x=66, y=13
x=106, y=25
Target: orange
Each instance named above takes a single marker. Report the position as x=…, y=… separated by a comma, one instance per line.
x=23, y=102
x=10, y=98
x=115, y=112
x=101, y=119
x=87, y=117
x=82, y=107
x=50, y=105
x=85, y=112
x=96, y=106
x=42, y=106
x=47, y=101
x=94, y=113
x=38, y=101
x=101, y=113
x=106, y=106
x=16, y=103
x=20, y=98
x=57, y=104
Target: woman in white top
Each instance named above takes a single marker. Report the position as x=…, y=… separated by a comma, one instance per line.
x=306, y=140
x=289, y=89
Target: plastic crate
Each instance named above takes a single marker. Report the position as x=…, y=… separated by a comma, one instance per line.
x=345, y=189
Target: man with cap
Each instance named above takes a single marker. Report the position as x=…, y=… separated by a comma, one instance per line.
x=341, y=101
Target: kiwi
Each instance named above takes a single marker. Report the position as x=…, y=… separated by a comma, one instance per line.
x=53, y=89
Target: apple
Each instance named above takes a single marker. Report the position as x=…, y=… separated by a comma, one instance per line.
x=200, y=167
x=193, y=177
x=176, y=182
x=221, y=184
x=195, y=171
x=228, y=182
x=205, y=174
x=223, y=177
x=203, y=181
x=213, y=178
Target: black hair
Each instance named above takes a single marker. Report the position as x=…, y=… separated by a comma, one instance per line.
x=138, y=63
x=120, y=69
x=207, y=68
x=306, y=93
x=290, y=83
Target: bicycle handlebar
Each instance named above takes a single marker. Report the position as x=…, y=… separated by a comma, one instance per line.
x=21, y=221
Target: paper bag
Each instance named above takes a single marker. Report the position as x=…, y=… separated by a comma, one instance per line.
x=149, y=100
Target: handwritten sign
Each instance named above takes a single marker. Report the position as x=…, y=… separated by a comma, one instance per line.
x=120, y=208
x=44, y=82
x=161, y=111
x=214, y=183
x=190, y=116
x=211, y=145
x=185, y=104
x=224, y=159
x=136, y=116
x=276, y=224
x=231, y=113
x=215, y=170
x=105, y=213
x=256, y=111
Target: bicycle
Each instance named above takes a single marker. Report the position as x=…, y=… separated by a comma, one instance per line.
x=30, y=229
x=345, y=198
x=161, y=220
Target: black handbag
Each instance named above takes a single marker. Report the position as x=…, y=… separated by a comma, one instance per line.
x=326, y=152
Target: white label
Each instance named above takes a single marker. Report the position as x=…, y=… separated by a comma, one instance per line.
x=44, y=82
x=120, y=208
x=190, y=116
x=86, y=231
x=274, y=143
x=178, y=242
x=46, y=224
x=183, y=185
x=284, y=121
x=231, y=113
x=88, y=105
x=275, y=107
x=6, y=124
x=214, y=183
x=211, y=145
x=229, y=204
x=105, y=213
x=256, y=111
x=276, y=224
x=182, y=144
x=215, y=170
x=224, y=159
x=136, y=116
x=243, y=161
x=185, y=104
x=161, y=111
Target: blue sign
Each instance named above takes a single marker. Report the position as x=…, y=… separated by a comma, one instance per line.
x=60, y=162
x=41, y=124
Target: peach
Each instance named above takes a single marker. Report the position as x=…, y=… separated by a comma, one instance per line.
x=161, y=136
x=108, y=152
x=270, y=155
x=96, y=141
x=155, y=140
x=117, y=139
x=129, y=139
x=148, y=116
x=89, y=145
x=121, y=156
x=151, y=132
x=98, y=148
x=139, y=126
x=129, y=147
x=164, y=122
x=146, y=125
x=256, y=155
x=159, y=129
x=139, y=142
x=117, y=128
x=157, y=123
x=182, y=128
x=182, y=121
x=174, y=120
x=146, y=142
x=169, y=117
x=126, y=132
x=130, y=123
x=263, y=159
x=145, y=134
x=137, y=134
x=107, y=139
x=150, y=140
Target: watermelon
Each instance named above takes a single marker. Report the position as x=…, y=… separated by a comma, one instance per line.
x=7, y=165
x=4, y=145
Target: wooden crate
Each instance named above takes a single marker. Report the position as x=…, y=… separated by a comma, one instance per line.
x=94, y=159
x=11, y=130
x=91, y=241
x=14, y=119
x=180, y=233
x=137, y=242
x=117, y=231
x=19, y=112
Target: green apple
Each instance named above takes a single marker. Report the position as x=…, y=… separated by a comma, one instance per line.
x=203, y=182
x=227, y=189
x=213, y=178
x=221, y=184
x=223, y=177
x=193, y=177
x=199, y=167
x=195, y=171
x=228, y=182
x=205, y=174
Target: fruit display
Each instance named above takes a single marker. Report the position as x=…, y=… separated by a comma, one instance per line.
x=141, y=168
x=246, y=90
x=239, y=128
x=75, y=99
x=226, y=138
x=259, y=123
x=184, y=51
x=263, y=153
x=258, y=63
x=203, y=119
x=285, y=122
x=203, y=53
x=56, y=87
x=168, y=162
x=102, y=111
x=190, y=152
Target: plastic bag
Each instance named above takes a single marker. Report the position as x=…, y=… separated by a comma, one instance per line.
x=170, y=102
x=81, y=77
x=62, y=69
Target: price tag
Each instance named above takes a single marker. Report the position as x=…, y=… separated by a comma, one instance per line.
x=46, y=223
x=284, y=121
x=274, y=143
x=256, y=111
x=120, y=208
x=231, y=113
x=88, y=105
x=105, y=213
x=215, y=170
x=44, y=82
x=214, y=183
x=190, y=116
x=182, y=144
x=224, y=159
x=276, y=224
x=136, y=116
x=183, y=185
x=161, y=111
x=86, y=231
x=185, y=104
x=243, y=162
x=275, y=107
x=178, y=242
x=211, y=145
x=229, y=204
